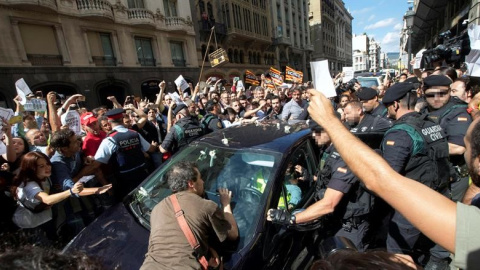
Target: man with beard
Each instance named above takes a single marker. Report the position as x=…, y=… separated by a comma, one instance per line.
x=451, y=225
x=295, y=107
x=415, y=147
x=277, y=108
x=360, y=122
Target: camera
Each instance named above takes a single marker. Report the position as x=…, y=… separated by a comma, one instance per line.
x=452, y=50
x=348, y=86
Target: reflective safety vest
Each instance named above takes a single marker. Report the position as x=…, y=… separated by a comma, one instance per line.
x=129, y=155
x=260, y=181
x=187, y=129
x=428, y=163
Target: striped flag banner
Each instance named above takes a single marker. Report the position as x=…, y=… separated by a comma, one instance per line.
x=276, y=76
x=293, y=75
x=269, y=83
x=251, y=78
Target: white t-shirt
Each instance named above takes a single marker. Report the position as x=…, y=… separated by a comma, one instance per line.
x=25, y=218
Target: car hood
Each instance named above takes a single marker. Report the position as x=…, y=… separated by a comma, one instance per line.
x=115, y=237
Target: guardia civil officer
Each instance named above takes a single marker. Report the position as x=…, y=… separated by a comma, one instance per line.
x=371, y=105
x=339, y=193
x=417, y=148
x=211, y=120
x=451, y=113
x=124, y=149
x=186, y=129
x=361, y=122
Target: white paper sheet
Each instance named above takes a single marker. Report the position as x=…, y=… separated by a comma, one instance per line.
x=182, y=83
x=348, y=74
x=322, y=80
x=86, y=178
x=22, y=90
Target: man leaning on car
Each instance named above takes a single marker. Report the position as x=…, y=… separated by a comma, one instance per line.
x=168, y=246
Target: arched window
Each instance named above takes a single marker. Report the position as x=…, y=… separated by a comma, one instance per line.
x=242, y=59
x=201, y=6
x=204, y=50
x=250, y=58
x=235, y=56
x=230, y=55
x=210, y=12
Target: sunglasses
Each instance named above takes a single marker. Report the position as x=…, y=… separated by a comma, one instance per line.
x=438, y=94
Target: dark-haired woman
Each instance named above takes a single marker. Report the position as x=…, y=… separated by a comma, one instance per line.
x=31, y=188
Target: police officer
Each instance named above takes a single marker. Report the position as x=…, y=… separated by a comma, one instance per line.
x=211, y=120
x=451, y=113
x=124, y=149
x=371, y=105
x=361, y=122
x=186, y=129
x=339, y=193
x=415, y=147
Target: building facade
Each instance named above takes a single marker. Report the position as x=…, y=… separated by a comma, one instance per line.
x=433, y=18
x=241, y=28
x=374, y=55
x=96, y=48
x=331, y=33
x=360, y=48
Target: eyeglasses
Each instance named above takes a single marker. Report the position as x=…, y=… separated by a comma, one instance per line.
x=436, y=94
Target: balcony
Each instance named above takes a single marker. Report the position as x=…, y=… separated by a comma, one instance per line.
x=282, y=41
x=147, y=62
x=45, y=60
x=178, y=24
x=35, y=5
x=141, y=16
x=220, y=28
x=179, y=62
x=95, y=9
x=104, y=61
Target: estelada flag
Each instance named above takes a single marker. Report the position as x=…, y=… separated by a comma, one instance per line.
x=250, y=78
x=276, y=76
x=269, y=83
x=293, y=75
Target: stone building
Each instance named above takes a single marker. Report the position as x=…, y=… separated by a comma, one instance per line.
x=95, y=47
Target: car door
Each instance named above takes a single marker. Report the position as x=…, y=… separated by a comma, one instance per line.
x=282, y=244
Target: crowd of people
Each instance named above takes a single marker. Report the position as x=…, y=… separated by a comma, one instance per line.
x=64, y=166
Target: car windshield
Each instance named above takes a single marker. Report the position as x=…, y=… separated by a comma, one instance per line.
x=368, y=82
x=238, y=170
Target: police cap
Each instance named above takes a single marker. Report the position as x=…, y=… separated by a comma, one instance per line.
x=397, y=91
x=178, y=108
x=210, y=105
x=436, y=80
x=115, y=113
x=366, y=93
x=412, y=80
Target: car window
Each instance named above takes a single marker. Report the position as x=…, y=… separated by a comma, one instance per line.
x=298, y=178
x=247, y=173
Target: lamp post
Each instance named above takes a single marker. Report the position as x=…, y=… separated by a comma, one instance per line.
x=409, y=17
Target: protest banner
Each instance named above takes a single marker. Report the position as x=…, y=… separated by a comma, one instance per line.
x=322, y=80
x=251, y=78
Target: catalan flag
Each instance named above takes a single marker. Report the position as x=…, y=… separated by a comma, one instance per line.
x=293, y=75
x=251, y=78
x=269, y=83
x=276, y=76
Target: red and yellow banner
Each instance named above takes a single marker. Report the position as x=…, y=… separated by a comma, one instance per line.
x=269, y=83
x=251, y=78
x=276, y=76
x=293, y=75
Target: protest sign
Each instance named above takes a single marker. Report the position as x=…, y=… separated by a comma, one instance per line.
x=182, y=83
x=22, y=90
x=322, y=80
x=72, y=120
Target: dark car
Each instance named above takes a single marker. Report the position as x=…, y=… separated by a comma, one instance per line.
x=234, y=158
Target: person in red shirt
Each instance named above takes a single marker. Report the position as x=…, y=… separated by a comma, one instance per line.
x=94, y=136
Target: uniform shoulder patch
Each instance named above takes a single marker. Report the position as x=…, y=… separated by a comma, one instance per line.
x=219, y=124
x=391, y=143
x=342, y=170
x=462, y=119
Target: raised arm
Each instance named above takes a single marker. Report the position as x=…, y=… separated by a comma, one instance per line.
x=159, y=101
x=53, y=118
x=426, y=209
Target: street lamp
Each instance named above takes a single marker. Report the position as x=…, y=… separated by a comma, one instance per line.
x=409, y=17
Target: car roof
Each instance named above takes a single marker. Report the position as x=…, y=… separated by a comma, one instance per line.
x=273, y=135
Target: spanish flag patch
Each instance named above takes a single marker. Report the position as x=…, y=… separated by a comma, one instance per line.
x=462, y=119
x=391, y=143
x=342, y=170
